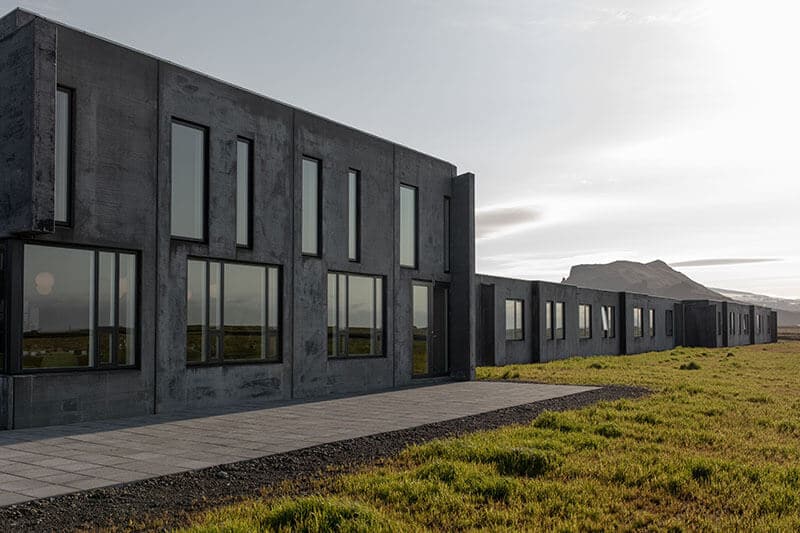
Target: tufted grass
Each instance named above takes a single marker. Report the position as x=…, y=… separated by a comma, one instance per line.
x=715, y=447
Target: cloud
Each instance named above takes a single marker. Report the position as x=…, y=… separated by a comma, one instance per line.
x=723, y=262
x=494, y=221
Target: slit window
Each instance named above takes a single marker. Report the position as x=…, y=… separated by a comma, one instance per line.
x=353, y=214
x=446, y=234
x=514, y=320
x=608, y=318
x=638, y=316
x=651, y=320
x=311, y=202
x=188, y=175
x=669, y=327
x=584, y=321
x=548, y=320
x=408, y=226
x=561, y=332
x=355, y=315
x=244, y=188
x=63, y=155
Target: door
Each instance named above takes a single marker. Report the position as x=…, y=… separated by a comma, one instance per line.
x=430, y=342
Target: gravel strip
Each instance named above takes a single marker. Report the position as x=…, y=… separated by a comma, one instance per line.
x=168, y=500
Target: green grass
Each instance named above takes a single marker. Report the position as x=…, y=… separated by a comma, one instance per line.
x=715, y=447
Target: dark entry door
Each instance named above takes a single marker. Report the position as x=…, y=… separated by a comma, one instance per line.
x=430, y=344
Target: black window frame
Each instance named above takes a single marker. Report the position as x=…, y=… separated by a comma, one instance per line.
x=640, y=312
x=4, y=297
x=447, y=232
x=414, y=188
x=519, y=319
x=669, y=323
x=651, y=322
x=586, y=332
x=18, y=367
x=610, y=312
x=70, y=159
x=354, y=256
x=563, y=328
x=219, y=337
x=318, y=161
x=337, y=342
x=250, y=191
x=206, y=181
x=549, y=315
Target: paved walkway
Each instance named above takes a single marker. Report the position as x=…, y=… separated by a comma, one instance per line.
x=43, y=462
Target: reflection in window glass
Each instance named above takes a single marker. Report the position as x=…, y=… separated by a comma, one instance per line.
x=609, y=321
x=243, y=180
x=126, y=340
x=651, y=316
x=196, y=301
x=273, y=315
x=63, y=153
x=245, y=312
x=421, y=305
x=355, y=315
x=513, y=320
x=548, y=320
x=408, y=226
x=310, y=206
x=2, y=309
x=561, y=333
x=57, y=309
x=106, y=305
x=584, y=321
x=637, y=322
x=188, y=181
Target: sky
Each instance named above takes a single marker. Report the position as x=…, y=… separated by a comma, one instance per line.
x=597, y=130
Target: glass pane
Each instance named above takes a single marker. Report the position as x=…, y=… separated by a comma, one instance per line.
x=360, y=314
x=244, y=309
x=518, y=320
x=214, y=289
x=446, y=236
x=548, y=319
x=188, y=181
x=62, y=155
x=408, y=226
x=126, y=341
x=196, y=301
x=243, y=193
x=106, y=305
x=310, y=223
x=352, y=208
x=377, y=347
x=2, y=310
x=332, y=306
x=273, y=315
x=342, y=295
x=57, y=308
x=560, y=333
x=421, y=295
x=509, y=319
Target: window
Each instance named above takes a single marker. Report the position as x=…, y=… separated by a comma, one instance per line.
x=79, y=308
x=584, y=321
x=244, y=187
x=311, y=206
x=2, y=310
x=353, y=214
x=548, y=320
x=408, y=226
x=355, y=315
x=637, y=322
x=651, y=321
x=732, y=323
x=561, y=333
x=745, y=324
x=189, y=171
x=63, y=155
x=607, y=313
x=446, y=235
x=720, y=323
x=670, y=323
x=232, y=312
x=514, y=327
x=759, y=324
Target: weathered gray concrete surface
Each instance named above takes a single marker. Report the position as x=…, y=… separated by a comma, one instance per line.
x=38, y=463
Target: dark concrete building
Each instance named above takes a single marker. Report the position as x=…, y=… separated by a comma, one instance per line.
x=169, y=241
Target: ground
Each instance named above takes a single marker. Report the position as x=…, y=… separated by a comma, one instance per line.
x=716, y=446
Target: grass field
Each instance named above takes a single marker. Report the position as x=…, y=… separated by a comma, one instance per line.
x=715, y=447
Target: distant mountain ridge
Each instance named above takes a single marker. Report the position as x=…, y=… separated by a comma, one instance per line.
x=659, y=279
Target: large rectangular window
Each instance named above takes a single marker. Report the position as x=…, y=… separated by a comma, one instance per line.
x=514, y=320
x=353, y=214
x=79, y=308
x=232, y=312
x=584, y=321
x=561, y=332
x=355, y=315
x=609, y=321
x=548, y=320
x=669, y=327
x=638, y=322
x=244, y=187
x=408, y=226
x=63, y=155
x=311, y=202
x=188, y=174
x=651, y=319
x=446, y=234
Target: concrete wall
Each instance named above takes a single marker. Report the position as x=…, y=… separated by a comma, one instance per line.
x=648, y=342
x=508, y=352
x=756, y=336
x=701, y=323
x=734, y=333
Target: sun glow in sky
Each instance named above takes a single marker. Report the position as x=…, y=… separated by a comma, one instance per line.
x=597, y=130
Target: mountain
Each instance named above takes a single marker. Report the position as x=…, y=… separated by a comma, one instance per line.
x=659, y=279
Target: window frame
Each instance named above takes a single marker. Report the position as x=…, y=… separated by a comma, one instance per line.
x=610, y=312
x=354, y=256
x=563, y=335
x=70, y=158
x=519, y=313
x=651, y=321
x=220, y=336
x=206, y=181
x=4, y=298
x=414, y=188
x=318, y=162
x=549, y=317
x=338, y=327
x=447, y=232
x=95, y=366
x=585, y=333
x=250, y=191
x=669, y=323
x=640, y=312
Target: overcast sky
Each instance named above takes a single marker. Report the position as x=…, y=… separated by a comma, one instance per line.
x=598, y=130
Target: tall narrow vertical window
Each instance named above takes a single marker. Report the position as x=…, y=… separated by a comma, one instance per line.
x=355, y=315
x=548, y=320
x=2, y=309
x=188, y=171
x=651, y=319
x=311, y=207
x=446, y=236
x=584, y=321
x=408, y=226
x=720, y=324
x=196, y=311
x=244, y=186
x=561, y=332
x=638, y=318
x=126, y=301
x=353, y=214
x=607, y=313
x=63, y=155
x=670, y=323
x=514, y=320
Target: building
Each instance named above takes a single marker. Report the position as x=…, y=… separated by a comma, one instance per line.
x=170, y=241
